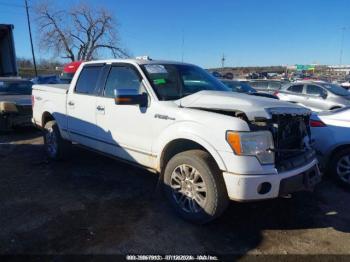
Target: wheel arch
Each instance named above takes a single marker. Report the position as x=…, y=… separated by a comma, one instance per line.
x=46, y=117
x=337, y=149
x=178, y=145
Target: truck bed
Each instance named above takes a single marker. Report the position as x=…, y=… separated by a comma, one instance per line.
x=53, y=88
x=53, y=98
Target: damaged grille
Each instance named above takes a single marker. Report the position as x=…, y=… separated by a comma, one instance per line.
x=289, y=132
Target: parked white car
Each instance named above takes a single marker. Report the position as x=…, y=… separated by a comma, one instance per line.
x=207, y=143
x=331, y=131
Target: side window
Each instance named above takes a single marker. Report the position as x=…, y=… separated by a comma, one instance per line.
x=314, y=90
x=88, y=79
x=275, y=85
x=296, y=89
x=122, y=78
x=260, y=85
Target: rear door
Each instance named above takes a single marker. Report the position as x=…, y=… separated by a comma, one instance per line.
x=81, y=105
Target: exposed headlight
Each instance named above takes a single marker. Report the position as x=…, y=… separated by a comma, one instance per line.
x=258, y=144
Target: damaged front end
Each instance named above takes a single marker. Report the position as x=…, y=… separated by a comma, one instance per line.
x=292, y=136
x=290, y=130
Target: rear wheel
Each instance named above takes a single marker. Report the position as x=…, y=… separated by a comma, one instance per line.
x=195, y=187
x=340, y=167
x=56, y=147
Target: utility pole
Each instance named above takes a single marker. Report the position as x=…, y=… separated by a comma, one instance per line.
x=342, y=44
x=30, y=36
x=223, y=61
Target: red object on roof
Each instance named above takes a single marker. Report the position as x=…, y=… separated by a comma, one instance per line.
x=72, y=67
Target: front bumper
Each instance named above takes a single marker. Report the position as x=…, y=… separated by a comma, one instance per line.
x=260, y=187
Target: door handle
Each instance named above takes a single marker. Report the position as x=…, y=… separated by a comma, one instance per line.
x=100, y=108
x=71, y=103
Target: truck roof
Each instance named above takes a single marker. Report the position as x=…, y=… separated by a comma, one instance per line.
x=135, y=61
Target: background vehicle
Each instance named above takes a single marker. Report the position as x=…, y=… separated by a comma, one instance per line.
x=266, y=86
x=331, y=131
x=8, y=66
x=48, y=79
x=346, y=85
x=207, y=143
x=317, y=96
x=241, y=87
x=216, y=74
x=15, y=102
x=69, y=71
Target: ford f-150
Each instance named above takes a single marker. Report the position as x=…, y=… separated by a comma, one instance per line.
x=208, y=144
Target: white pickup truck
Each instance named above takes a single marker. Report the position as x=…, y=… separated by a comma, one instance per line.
x=208, y=144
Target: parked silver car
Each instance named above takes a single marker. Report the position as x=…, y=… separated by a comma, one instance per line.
x=269, y=86
x=317, y=96
x=330, y=130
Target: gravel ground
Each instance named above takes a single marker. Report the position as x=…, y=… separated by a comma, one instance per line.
x=92, y=204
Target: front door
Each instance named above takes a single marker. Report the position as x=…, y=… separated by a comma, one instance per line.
x=125, y=130
x=316, y=98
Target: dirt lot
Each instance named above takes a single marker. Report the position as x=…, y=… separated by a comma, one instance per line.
x=95, y=205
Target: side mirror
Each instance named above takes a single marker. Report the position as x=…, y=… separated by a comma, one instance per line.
x=130, y=97
x=324, y=95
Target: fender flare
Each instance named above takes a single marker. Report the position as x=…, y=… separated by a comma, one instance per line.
x=194, y=138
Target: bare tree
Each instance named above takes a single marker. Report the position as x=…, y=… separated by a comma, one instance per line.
x=80, y=33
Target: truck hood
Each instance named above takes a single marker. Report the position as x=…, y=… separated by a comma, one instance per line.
x=23, y=100
x=252, y=106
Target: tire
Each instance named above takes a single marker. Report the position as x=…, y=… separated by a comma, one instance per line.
x=195, y=187
x=56, y=147
x=339, y=167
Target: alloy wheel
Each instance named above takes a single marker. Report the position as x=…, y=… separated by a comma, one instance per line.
x=343, y=168
x=189, y=188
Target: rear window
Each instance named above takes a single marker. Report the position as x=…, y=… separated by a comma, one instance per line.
x=296, y=89
x=88, y=79
x=16, y=88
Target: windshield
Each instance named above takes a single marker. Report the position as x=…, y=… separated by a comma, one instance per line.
x=174, y=81
x=335, y=89
x=16, y=88
x=239, y=87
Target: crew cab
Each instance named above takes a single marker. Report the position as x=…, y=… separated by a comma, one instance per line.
x=208, y=144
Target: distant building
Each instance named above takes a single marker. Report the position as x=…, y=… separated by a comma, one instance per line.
x=340, y=69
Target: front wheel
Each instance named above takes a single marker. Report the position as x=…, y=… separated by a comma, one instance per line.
x=340, y=167
x=195, y=187
x=56, y=147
